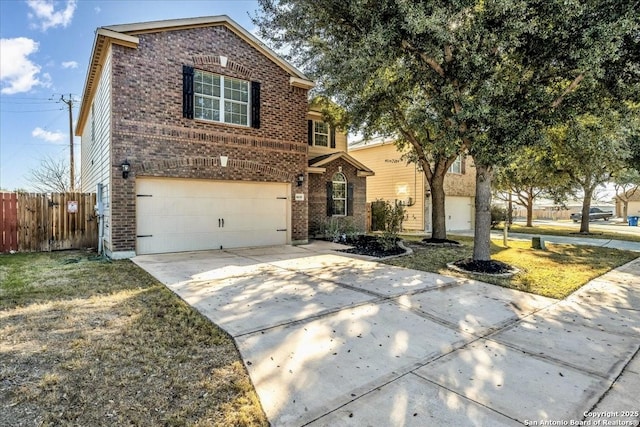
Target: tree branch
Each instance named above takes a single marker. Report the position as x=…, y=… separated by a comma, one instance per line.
x=433, y=64
x=573, y=86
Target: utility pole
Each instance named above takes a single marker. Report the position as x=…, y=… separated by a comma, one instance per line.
x=72, y=177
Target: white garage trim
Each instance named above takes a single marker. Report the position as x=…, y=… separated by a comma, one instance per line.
x=178, y=215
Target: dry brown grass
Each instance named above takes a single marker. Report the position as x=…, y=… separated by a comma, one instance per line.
x=95, y=343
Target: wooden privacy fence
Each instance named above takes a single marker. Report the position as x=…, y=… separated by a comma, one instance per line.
x=47, y=222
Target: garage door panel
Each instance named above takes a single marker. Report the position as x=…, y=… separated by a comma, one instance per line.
x=458, y=211
x=183, y=215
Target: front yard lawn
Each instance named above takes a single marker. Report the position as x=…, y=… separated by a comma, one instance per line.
x=88, y=342
x=555, y=273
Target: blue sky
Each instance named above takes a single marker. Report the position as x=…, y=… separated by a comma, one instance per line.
x=44, y=54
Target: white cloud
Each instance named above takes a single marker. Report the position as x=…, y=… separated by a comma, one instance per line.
x=97, y=9
x=44, y=11
x=17, y=72
x=47, y=135
x=69, y=64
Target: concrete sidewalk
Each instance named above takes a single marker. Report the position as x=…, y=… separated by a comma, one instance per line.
x=582, y=241
x=334, y=340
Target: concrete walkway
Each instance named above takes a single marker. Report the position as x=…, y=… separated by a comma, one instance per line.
x=582, y=241
x=334, y=340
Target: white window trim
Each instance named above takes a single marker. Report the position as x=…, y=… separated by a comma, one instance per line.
x=221, y=100
x=458, y=162
x=328, y=134
x=346, y=194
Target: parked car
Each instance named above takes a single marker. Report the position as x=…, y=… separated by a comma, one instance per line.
x=594, y=213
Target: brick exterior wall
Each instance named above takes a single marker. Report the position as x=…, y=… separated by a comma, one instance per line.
x=149, y=131
x=462, y=184
x=318, y=197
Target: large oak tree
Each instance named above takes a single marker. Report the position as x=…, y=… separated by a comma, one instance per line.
x=448, y=77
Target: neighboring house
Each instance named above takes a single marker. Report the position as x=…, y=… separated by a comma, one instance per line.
x=196, y=136
x=633, y=206
x=395, y=180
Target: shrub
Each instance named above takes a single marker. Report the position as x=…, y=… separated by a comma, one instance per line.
x=340, y=229
x=392, y=220
x=498, y=214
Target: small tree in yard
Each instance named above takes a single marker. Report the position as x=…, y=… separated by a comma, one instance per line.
x=52, y=176
x=529, y=175
x=626, y=184
x=589, y=151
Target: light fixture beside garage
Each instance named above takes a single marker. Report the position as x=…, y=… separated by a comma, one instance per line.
x=126, y=168
x=223, y=161
x=300, y=179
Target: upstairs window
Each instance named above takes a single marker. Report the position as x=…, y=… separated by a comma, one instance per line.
x=216, y=98
x=456, y=166
x=321, y=134
x=221, y=99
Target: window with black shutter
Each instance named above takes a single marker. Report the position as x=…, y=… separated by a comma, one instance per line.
x=320, y=134
x=255, y=105
x=213, y=97
x=187, y=92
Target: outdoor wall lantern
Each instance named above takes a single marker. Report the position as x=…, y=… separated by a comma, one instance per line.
x=223, y=161
x=300, y=179
x=126, y=168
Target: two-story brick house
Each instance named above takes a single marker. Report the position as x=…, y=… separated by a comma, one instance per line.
x=197, y=136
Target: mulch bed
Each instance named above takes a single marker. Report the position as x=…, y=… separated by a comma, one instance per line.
x=484, y=267
x=369, y=245
x=439, y=242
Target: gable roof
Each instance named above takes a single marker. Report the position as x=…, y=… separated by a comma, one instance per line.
x=315, y=164
x=125, y=35
x=377, y=141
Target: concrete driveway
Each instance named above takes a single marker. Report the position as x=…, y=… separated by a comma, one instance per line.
x=330, y=340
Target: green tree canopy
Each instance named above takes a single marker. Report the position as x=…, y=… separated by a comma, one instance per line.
x=477, y=76
x=589, y=150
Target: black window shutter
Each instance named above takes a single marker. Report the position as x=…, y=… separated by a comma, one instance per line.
x=310, y=132
x=187, y=92
x=329, y=198
x=350, y=199
x=332, y=135
x=463, y=164
x=255, y=105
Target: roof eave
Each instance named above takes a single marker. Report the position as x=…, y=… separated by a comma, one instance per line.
x=103, y=40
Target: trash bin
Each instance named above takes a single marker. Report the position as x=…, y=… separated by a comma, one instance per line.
x=633, y=221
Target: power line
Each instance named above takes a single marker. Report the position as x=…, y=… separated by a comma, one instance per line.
x=31, y=111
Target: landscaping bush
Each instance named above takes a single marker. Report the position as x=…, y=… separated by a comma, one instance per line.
x=498, y=214
x=340, y=229
x=392, y=220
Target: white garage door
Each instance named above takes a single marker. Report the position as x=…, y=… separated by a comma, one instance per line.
x=175, y=215
x=458, y=210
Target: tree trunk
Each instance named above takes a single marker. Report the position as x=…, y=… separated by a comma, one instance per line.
x=482, y=235
x=625, y=210
x=438, y=214
x=529, y=210
x=510, y=209
x=586, y=204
